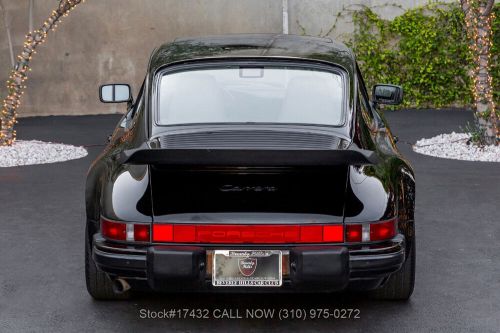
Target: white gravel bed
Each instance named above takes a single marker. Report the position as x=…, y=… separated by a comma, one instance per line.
x=454, y=146
x=38, y=152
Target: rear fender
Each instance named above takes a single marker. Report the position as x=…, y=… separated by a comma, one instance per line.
x=406, y=206
x=126, y=194
x=370, y=195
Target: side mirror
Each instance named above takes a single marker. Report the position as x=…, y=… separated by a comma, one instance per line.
x=115, y=93
x=387, y=94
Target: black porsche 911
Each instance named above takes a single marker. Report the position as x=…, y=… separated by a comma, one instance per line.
x=251, y=163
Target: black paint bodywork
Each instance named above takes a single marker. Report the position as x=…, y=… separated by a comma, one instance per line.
x=343, y=193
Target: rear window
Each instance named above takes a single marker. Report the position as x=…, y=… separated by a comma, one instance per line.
x=236, y=94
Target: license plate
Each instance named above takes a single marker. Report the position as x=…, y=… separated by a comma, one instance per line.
x=247, y=268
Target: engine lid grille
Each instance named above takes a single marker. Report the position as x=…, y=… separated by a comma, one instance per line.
x=245, y=139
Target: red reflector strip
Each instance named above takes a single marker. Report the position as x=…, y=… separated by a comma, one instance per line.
x=333, y=233
x=311, y=234
x=258, y=234
x=163, y=233
x=113, y=230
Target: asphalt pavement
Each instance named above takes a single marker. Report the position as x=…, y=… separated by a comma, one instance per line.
x=42, y=220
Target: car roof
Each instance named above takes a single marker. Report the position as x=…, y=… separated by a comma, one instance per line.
x=253, y=46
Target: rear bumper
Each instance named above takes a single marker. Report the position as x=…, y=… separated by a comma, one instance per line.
x=306, y=268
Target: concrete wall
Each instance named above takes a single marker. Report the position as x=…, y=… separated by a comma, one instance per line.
x=316, y=17
x=111, y=40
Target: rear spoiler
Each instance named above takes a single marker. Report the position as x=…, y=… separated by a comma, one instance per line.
x=248, y=158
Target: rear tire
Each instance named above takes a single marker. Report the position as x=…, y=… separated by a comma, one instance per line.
x=99, y=285
x=400, y=285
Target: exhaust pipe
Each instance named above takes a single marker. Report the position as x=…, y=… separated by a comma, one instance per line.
x=120, y=286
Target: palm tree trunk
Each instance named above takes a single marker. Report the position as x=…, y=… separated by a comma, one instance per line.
x=18, y=76
x=478, y=19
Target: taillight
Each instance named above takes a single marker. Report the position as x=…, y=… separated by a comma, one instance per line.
x=353, y=232
x=113, y=230
x=121, y=231
x=266, y=234
x=141, y=232
x=369, y=232
x=383, y=230
x=251, y=234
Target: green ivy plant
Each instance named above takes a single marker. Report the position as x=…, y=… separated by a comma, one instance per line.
x=495, y=56
x=424, y=50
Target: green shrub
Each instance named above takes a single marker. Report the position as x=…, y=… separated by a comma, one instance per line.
x=424, y=50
